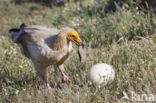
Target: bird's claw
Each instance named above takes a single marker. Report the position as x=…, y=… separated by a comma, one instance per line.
x=66, y=79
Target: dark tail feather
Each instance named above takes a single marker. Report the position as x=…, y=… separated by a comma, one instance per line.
x=16, y=34
x=22, y=26
x=14, y=30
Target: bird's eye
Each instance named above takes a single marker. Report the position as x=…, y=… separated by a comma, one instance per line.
x=72, y=36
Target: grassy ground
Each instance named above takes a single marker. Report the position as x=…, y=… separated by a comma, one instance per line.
x=124, y=39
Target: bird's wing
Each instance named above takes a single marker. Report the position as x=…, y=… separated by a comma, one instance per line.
x=42, y=28
x=46, y=30
x=38, y=40
x=40, y=33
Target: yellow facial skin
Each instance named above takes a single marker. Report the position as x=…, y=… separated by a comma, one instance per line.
x=74, y=37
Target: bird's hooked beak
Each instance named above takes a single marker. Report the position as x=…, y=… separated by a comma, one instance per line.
x=78, y=41
x=74, y=37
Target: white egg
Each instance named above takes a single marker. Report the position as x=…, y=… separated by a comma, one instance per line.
x=101, y=73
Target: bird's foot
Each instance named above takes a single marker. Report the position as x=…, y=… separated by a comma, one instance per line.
x=66, y=79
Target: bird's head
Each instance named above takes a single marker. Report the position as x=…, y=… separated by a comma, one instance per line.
x=74, y=37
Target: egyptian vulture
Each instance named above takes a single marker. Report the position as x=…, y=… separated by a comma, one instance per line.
x=46, y=46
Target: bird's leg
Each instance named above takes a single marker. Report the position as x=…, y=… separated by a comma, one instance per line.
x=41, y=71
x=65, y=78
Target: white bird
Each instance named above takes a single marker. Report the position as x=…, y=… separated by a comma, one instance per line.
x=46, y=46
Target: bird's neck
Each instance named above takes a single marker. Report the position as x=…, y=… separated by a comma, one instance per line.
x=59, y=42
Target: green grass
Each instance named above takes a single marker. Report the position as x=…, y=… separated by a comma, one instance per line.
x=124, y=39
